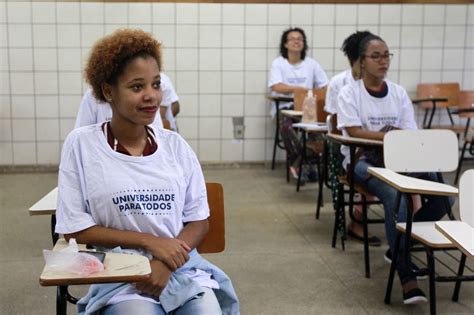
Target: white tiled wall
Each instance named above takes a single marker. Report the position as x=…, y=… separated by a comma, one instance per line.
x=217, y=55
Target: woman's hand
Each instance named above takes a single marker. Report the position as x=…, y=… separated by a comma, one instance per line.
x=173, y=252
x=160, y=275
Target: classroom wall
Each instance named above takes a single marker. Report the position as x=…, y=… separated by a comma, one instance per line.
x=217, y=55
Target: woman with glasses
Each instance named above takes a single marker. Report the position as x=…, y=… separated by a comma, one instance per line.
x=369, y=108
x=293, y=70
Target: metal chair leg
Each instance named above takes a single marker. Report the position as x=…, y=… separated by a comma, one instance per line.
x=61, y=300
x=366, y=237
x=461, y=159
x=432, y=284
x=391, y=274
x=457, y=287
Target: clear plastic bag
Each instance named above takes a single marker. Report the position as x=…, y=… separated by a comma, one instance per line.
x=309, y=108
x=70, y=260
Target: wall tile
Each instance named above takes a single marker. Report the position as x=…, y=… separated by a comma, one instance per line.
x=209, y=150
x=4, y=60
x=48, y=153
x=44, y=12
x=46, y=106
x=468, y=80
x=233, y=13
x=44, y=35
x=189, y=105
x=411, y=36
x=69, y=105
x=5, y=130
x=342, y=32
x=91, y=34
x=66, y=125
x=256, y=105
x=163, y=13
x=187, y=13
x=430, y=76
x=22, y=83
x=456, y=14
x=451, y=76
x=19, y=12
x=69, y=59
x=233, y=105
x=433, y=36
x=410, y=59
x=47, y=129
x=210, y=13
x=279, y=14
x=188, y=127
x=19, y=35
x=116, y=13
x=412, y=14
x=187, y=82
x=70, y=82
x=368, y=14
x=23, y=107
x=187, y=59
x=254, y=127
x=390, y=13
x=255, y=36
x=232, y=150
x=409, y=80
x=24, y=130
x=274, y=33
x=301, y=14
x=454, y=36
x=210, y=36
x=210, y=82
x=391, y=35
x=346, y=14
x=255, y=59
x=3, y=12
x=92, y=12
x=325, y=58
x=139, y=13
x=233, y=36
x=169, y=59
x=256, y=82
x=210, y=59
x=254, y=150
x=186, y=36
x=165, y=34
x=453, y=59
x=434, y=14
x=21, y=59
x=6, y=153
x=46, y=83
x=45, y=59
x=209, y=127
x=232, y=82
x=24, y=153
x=3, y=35
x=69, y=36
x=470, y=14
x=67, y=12
x=227, y=130
x=210, y=105
x=256, y=14
x=323, y=36
x=5, y=108
x=469, y=59
x=324, y=14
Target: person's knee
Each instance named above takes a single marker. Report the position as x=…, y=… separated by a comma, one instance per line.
x=133, y=307
x=205, y=304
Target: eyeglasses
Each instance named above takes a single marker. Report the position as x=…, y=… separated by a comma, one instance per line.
x=378, y=57
x=295, y=39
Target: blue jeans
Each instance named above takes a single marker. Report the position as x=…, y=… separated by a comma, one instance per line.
x=434, y=208
x=206, y=304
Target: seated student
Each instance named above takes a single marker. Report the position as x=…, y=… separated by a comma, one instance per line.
x=169, y=107
x=92, y=111
x=126, y=183
x=369, y=108
x=293, y=70
x=350, y=47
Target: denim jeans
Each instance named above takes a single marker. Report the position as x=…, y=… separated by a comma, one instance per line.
x=206, y=304
x=434, y=208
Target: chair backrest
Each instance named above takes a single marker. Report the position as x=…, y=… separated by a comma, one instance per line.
x=466, y=100
x=466, y=197
x=428, y=150
x=214, y=242
x=449, y=90
x=299, y=96
x=331, y=121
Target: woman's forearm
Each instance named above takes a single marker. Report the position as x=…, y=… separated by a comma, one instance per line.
x=194, y=232
x=358, y=132
x=286, y=89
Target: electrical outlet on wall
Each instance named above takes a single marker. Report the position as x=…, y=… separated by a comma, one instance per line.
x=239, y=127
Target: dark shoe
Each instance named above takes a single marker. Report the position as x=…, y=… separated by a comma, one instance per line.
x=421, y=274
x=373, y=240
x=414, y=296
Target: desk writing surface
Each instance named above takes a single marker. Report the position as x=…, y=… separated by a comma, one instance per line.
x=279, y=98
x=429, y=99
x=460, y=233
x=355, y=141
x=118, y=268
x=46, y=205
x=292, y=113
x=317, y=126
x=408, y=184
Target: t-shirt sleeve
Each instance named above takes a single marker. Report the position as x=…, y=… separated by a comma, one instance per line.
x=407, y=120
x=72, y=214
x=87, y=114
x=347, y=110
x=196, y=207
x=169, y=93
x=276, y=74
x=331, y=98
x=320, y=77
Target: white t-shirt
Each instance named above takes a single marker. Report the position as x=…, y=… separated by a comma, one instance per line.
x=153, y=194
x=308, y=74
x=335, y=86
x=169, y=97
x=356, y=107
x=91, y=111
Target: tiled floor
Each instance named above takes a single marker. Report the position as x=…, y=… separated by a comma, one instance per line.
x=278, y=256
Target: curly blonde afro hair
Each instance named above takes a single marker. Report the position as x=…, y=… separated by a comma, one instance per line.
x=111, y=54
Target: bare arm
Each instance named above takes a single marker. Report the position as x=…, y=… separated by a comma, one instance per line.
x=173, y=252
x=287, y=89
x=163, y=112
x=358, y=132
x=175, y=108
x=194, y=232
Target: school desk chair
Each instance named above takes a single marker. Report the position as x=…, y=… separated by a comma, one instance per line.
x=344, y=188
x=466, y=111
x=431, y=96
x=408, y=151
x=214, y=242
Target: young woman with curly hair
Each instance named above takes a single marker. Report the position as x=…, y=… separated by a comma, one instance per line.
x=124, y=183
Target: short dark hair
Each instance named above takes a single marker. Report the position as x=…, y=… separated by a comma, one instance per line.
x=365, y=41
x=284, y=40
x=112, y=53
x=350, y=46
